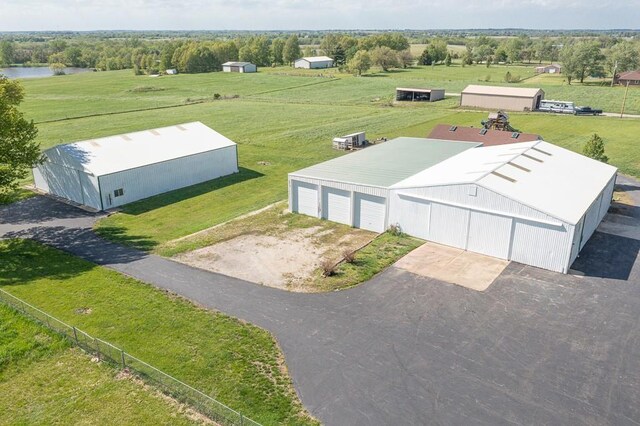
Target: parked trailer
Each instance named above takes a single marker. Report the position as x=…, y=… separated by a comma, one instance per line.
x=564, y=107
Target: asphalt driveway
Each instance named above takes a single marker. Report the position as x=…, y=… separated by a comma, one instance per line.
x=535, y=348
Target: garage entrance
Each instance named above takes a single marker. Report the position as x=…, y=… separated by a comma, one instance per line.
x=336, y=205
x=305, y=198
x=370, y=212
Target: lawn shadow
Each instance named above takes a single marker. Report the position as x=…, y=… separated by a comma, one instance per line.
x=168, y=198
x=607, y=256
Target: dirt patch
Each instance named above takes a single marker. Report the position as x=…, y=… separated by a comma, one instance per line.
x=286, y=260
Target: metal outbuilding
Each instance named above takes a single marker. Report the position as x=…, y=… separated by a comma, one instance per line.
x=353, y=189
x=532, y=202
x=242, y=67
x=313, y=62
x=109, y=172
x=504, y=98
x=419, y=95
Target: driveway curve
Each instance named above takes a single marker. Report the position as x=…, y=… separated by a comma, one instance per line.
x=535, y=348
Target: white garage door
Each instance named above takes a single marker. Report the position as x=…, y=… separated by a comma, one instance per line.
x=370, y=212
x=305, y=198
x=336, y=205
x=489, y=234
x=540, y=245
x=414, y=216
x=448, y=225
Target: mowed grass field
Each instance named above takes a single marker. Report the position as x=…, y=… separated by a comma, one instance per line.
x=287, y=118
x=44, y=381
x=234, y=362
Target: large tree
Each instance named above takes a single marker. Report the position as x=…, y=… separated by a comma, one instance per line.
x=18, y=150
x=291, y=50
x=361, y=62
x=582, y=59
x=384, y=57
x=7, y=52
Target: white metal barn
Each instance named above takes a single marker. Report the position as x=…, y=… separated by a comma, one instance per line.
x=353, y=189
x=532, y=202
x=242, y=67
x=109, y=172
x=312, y=62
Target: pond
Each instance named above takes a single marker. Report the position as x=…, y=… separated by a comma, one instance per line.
x=36, y=72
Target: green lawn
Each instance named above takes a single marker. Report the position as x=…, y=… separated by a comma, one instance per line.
x=43, y=381
x=236, y=363
x=287, y=118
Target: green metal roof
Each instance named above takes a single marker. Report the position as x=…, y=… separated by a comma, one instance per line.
x=387, y=163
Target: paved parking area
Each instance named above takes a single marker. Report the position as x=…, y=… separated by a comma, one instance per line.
x=536, y=347
x=456, y=266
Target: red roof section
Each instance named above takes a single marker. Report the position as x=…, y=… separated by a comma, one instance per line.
x=472, y=134
x=629, y=75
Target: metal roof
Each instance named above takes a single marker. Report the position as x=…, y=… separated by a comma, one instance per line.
x=409, y=89
x=128, y=151
x=317, y=58
x=516, y=92
x=236, y=64
x=540, y=175
x=387, y=163
x=488, y=137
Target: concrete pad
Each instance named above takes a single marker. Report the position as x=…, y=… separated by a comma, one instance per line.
x=456, y=266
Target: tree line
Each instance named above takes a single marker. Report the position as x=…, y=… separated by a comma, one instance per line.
x=353, y=52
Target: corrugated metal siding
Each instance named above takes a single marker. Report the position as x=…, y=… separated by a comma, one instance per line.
x=90, y=190
x=497, y=102
x=157, y=178
x=489, y=234
x=39, y=181
x=336, y=205
x=607, y=195
x=369, y=212
x=541, y=245
x=61, y=181
x=575, y=244
x=484, y=199
x=410, y=214
x=363, y=189
x=304, y=198
x=448, y=225
x=591, y=221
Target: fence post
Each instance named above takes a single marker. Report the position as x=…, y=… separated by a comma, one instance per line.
x=75, y=335
x=97, y=347
x=241, y=420
x=124, y=365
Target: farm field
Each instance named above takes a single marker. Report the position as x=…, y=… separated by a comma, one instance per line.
x=44, y=381
x=236, y=363
x=284, y=119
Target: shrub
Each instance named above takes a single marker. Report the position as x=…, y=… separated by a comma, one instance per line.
x=216, y=96
x=395, y=230
x=349, y=256
x=328, y=268
x=594, y=148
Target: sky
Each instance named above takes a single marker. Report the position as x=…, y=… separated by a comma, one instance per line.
x=86, y=15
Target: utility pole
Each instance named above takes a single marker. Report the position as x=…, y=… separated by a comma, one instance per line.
x=615, y=68
x=624, y=100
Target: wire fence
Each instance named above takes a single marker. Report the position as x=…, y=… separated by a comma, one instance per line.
x=105, y=351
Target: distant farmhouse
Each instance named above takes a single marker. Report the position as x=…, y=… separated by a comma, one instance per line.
x=632, y=78
x=419, y=95
x=109, y=172
x=503, y=98
x=314, y=62
x=487, y=137
x=549, y=69
x=239, y=67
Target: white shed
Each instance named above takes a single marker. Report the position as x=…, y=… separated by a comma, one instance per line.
x=241, y=67
x=109, y=172
x=353, y=189
x=313, y=62
x=532, y=202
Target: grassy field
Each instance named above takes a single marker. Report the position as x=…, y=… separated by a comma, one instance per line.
x=43, y=381
x=287, y=118
x=233, y=362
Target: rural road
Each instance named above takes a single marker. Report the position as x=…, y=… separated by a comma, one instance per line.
x=535, y=348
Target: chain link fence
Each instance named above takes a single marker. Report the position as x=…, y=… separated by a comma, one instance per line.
x=107, y=352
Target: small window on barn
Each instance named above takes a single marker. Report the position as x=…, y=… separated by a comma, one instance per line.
x=118, y=192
